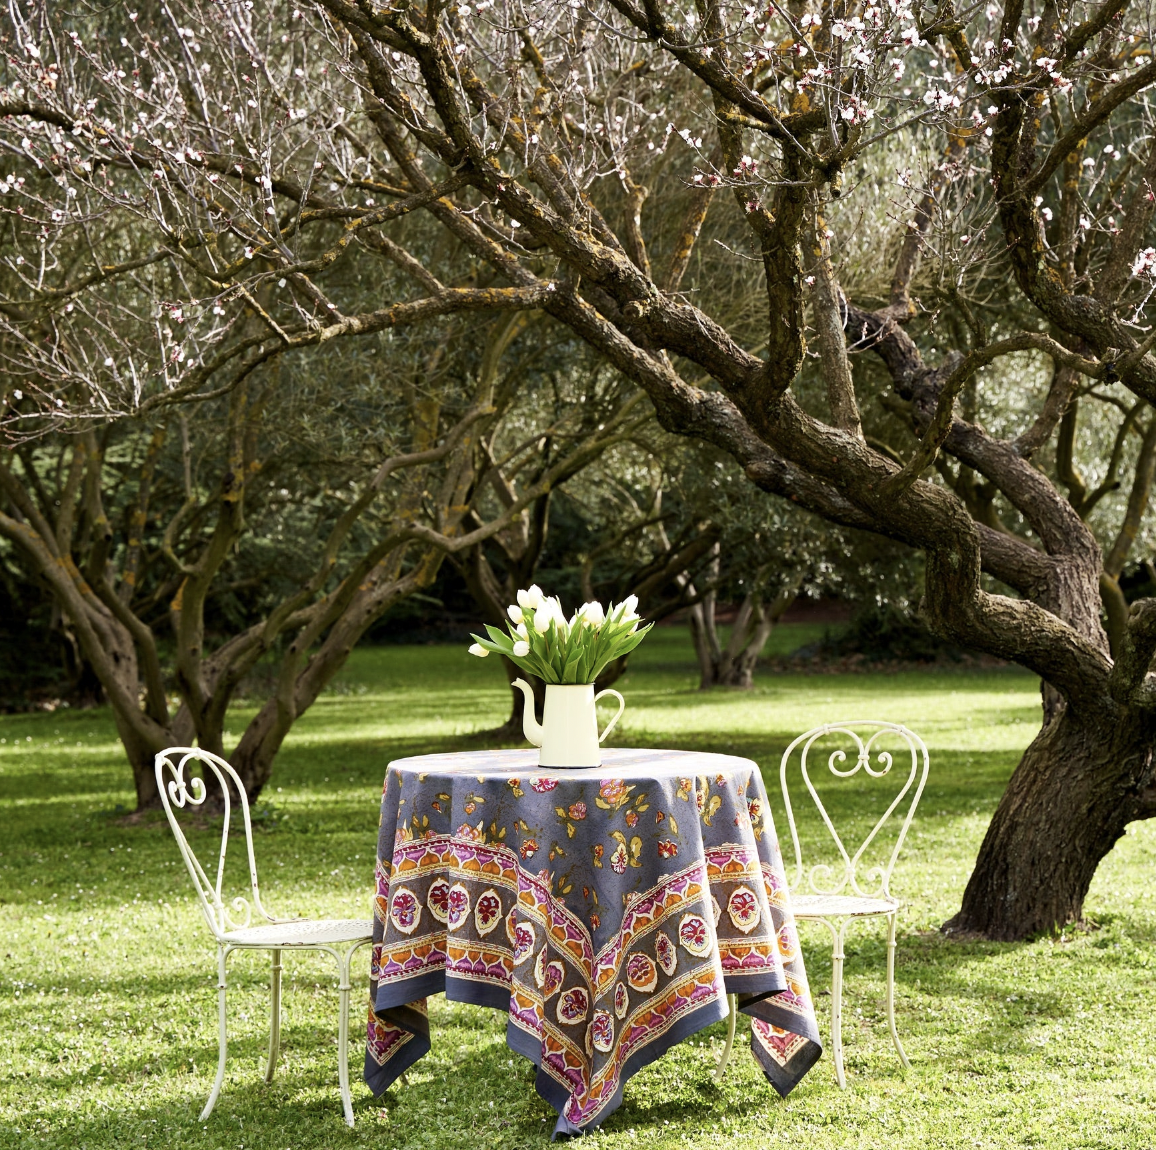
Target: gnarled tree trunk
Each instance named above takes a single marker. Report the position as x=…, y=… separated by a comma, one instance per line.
x=1082, y=780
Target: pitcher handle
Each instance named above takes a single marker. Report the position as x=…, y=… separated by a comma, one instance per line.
x=621, y=708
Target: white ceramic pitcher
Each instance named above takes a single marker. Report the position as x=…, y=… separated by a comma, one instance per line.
x=568, y=734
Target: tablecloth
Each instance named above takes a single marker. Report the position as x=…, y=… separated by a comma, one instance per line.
x=609, y=911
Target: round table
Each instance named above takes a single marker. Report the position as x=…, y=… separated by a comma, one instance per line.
x=608, y=910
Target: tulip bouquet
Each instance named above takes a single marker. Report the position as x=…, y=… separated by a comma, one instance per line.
x=543, y=642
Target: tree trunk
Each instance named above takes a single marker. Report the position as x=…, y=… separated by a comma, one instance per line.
x=740, y=670
x=611, y=673
x=85, y=689
x=734, y=665
x=705, y=638
x=141, y=755
x=303, y=676
x=749, y=618
x=1078, y=785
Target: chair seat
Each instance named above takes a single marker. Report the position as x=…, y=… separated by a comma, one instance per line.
x=840, y=905
x=305, y=932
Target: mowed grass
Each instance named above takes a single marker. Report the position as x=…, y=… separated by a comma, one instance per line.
x=107, y=989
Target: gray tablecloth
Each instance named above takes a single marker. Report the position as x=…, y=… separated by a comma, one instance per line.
x=608, y=911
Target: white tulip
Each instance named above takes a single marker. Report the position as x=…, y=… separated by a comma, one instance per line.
x=520, y=629
x=593, y=614
x=521, y=649
x=542, y=619
x=515, y=613
x=531, y=600
x=625, y=611
x=558, y=615
x=479, y=650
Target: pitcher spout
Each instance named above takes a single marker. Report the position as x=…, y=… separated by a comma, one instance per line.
x=530, y=725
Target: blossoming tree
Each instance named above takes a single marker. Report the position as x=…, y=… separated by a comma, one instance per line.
x=587, y=159
x=173, y=437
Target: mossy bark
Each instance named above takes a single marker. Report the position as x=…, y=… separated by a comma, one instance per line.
x=1078, y=785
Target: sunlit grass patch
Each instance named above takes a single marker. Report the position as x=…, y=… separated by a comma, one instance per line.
x=107, y=992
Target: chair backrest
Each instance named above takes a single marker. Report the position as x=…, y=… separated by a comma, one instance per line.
x=179, y=791
x=861, y=737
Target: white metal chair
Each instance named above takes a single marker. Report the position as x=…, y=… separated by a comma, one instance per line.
x=840, y=894
x=337, y=937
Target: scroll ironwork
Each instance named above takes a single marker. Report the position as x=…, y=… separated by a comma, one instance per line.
x=874, y=881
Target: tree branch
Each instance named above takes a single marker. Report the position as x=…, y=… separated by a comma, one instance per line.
x=1083, y=125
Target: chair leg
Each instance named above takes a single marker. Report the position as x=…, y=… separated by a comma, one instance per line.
x=837, y=1002
x=343, y=990
x=275, y=1016
x=222, y=1038
x=720, y=1070
x=892, y=923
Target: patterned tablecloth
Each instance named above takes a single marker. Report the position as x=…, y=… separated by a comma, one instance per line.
x=608, y=910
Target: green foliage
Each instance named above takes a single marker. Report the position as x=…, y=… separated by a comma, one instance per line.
x=108, y=989
x=882, y=633
x=32, y=663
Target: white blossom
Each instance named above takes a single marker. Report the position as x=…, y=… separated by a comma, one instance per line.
x=1145, y=264
x=855, y=111
x=940, y=99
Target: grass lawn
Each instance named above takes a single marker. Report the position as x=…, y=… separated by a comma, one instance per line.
x=107, y=989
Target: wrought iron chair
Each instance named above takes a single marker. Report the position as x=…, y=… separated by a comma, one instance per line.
x=840, y=894
x=339, y=938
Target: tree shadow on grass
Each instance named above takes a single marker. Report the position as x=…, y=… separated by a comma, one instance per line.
x=299, y=1112
x=1010, y=1011
x=303, y=1097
